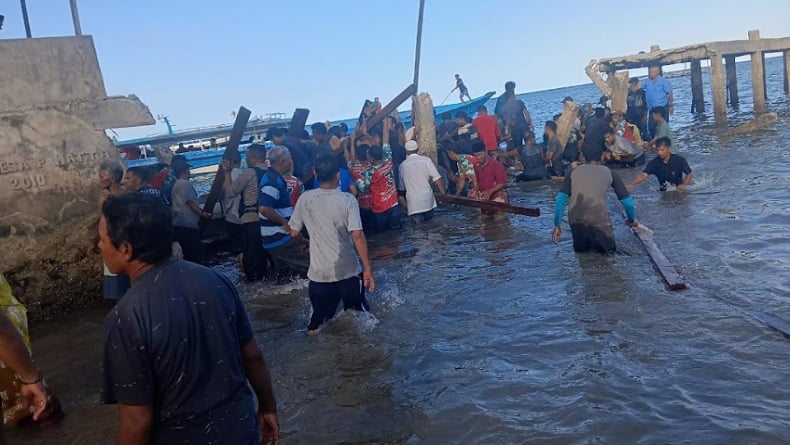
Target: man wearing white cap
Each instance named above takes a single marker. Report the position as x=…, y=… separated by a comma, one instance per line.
x=417, y=173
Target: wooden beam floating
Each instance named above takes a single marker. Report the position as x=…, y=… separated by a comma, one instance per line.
x=665, y=268
x=491, y=206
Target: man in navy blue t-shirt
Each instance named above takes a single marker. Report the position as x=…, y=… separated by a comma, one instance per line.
x=179, y=349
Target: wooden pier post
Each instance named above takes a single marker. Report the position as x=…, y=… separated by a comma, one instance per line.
x=618, y=84
x=758, y=76
x=425, y=122
x=732, y=80
x=697, y=95
x=786, y=55
x=717, y=85
x=565, y=123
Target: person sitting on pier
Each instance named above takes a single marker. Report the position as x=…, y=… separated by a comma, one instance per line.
x=586, y=188
x=621, y=151
x=379, y=178
x=532, y=159
x=661, y=131
x=669, y=168
x=274, y=210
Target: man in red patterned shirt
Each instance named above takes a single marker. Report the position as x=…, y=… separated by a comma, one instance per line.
x=491, y=176
x=379, y=179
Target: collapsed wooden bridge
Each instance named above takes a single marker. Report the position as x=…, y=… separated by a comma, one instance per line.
x=615, y=85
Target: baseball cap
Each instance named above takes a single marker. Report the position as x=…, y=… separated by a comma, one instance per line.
x=412, y=145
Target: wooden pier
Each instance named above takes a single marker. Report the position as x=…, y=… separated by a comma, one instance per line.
x=723, y=82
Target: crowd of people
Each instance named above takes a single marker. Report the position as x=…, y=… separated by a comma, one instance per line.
x=303, y=205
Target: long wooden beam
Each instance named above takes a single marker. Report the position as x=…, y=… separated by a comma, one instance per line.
x=392, y=106
x=665, y=268
x=231, y=149
x=491, y=206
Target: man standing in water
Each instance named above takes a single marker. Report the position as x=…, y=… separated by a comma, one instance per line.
x=668, y=168
x=180, y=354
x=459, y=85
x=186, y=214
x=417, y=173
x=332, y=219
x=491, y=176
x=658, y=93
x=586, y=187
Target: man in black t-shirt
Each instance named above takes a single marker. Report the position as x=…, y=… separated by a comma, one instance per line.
x=179, y=349
x=668, y=168
x=593, y=135
x=637, y=105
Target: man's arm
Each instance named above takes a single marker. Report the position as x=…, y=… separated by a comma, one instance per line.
x=440, y=185
x=638, y=180
x=625, y=198
x=258, y=375
x=135, y=424
x=361, y=244
x=686, y=181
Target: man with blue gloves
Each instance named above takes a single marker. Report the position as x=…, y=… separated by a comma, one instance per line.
x=585, y=188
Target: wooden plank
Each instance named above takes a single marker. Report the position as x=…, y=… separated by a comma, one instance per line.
x=298, y=122
x=492, y=206
x=665, y=268
x=232, y=148
x=392, y=106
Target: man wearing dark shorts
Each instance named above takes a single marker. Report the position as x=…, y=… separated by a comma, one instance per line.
x=586, y=188
x=332, y=219
x=459, y=85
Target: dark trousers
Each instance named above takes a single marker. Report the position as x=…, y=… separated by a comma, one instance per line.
x=587, y=238
x=290, y=256
x=518, y=136
x=326, y=296
x=651, y=124
x=422, y=217
x=254, y=255
x=190, y=242
x=236, y=234
x=387, y=220
x=366, y=215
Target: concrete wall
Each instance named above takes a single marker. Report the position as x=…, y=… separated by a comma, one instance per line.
x=53, y=112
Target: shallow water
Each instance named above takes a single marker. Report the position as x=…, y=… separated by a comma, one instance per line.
x=483, y=331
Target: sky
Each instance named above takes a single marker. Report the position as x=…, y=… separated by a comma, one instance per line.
x=197, y=61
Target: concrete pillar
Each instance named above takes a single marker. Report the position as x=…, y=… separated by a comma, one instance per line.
x=697, y=95
x=618, y=84
x=732, y=81
x=717, y=85
x=758, y=76
x=787, y=71
x=564, y=125
x=423, y=119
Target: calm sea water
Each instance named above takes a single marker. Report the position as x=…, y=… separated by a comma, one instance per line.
x=483, y=331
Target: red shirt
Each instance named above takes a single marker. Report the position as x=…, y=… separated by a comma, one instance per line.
x=488, y=130
x=384, y=196
x=490, y=174
x=365, y=198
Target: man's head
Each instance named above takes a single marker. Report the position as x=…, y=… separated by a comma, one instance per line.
x=482, y=110
x=457, y=77
x=658, y=114
x=530, y=137
x=110, y=172
x=327, y=170
x=343, y=129
x=319, y=131
x=181, y=170
x=567, y=99
x=600, y=112
x=134, y=230
x=616, y=116
x=603, y=100
x=375, y=153
x=633, y=83
x=479, y=149
x=663, y=148
x=447, y=116
x=550, y=128
x=276, y=135
x=653, y=71
x=411, y=147
x=134, y=179
x=510, y=86
x=256, y=154
x=361, y=151
x=592, y=155
x=461, y=118
x=280, y=159
x=608, y=136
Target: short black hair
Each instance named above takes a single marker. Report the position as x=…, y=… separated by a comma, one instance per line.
x=609, y=130
x=446, y=116
x=361, y=150
x=600, y=112
x=318, y=128
x=660, y=110
x=258, y=151
x=482, y=108
x=275, y=132
x=510, y=85
x=343, y=127
x=141, y=221
x=336, y=131
x=304, y=134
x=376, y=152
x=477, y=146
x=326, y=166
x=141, y=171
x=461, y=114
x=663, y=142
x=552, y=125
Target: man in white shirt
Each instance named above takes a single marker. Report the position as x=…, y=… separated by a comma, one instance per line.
x=417, y=173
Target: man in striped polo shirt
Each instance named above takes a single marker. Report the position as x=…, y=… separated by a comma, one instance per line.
x=275, y=209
